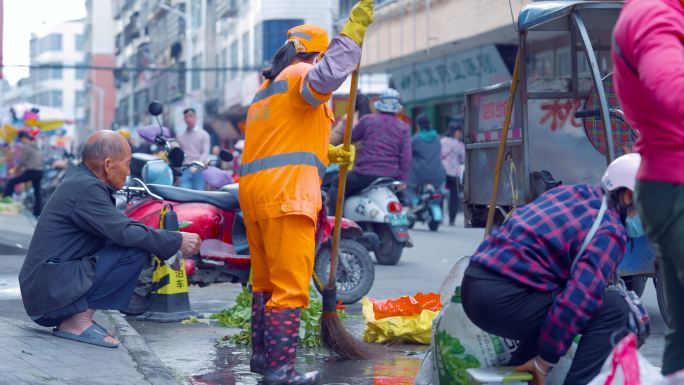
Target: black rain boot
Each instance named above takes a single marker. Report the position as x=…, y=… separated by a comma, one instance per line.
x=257, y=364
x=281, y=338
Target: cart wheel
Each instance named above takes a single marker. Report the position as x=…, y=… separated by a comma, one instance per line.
x=660, y=295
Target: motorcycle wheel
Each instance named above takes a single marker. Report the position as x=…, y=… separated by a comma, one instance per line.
x=433, y=225
x=389, y=250
x=660, y=296
x=355, y=274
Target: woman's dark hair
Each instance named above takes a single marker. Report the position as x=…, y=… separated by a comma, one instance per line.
x=283, y=58
x=614, y=202
x=362, y=105
x=454, y=125
x=423, y=121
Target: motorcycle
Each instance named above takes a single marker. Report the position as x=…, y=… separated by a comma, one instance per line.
x=224, y=252
x=427, y=208
x=381, y=216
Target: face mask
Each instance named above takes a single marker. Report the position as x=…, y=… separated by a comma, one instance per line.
x=634, y=227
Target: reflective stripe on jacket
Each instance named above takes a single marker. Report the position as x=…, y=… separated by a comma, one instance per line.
x=285, y=152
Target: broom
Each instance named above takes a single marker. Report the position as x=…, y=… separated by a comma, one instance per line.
x=333, y=333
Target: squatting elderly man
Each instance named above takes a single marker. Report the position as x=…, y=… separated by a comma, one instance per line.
x=86, y=254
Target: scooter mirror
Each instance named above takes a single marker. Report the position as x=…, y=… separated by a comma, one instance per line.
x=226, y=156
x=176, y=157
x=150, y=133
x=155, y=108
x=215, y=177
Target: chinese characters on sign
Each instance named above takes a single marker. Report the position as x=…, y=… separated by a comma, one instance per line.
x=180, y=278
x=557, y=112
x=451, y=74
x=486, y=116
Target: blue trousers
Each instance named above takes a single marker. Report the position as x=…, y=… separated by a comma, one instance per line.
x=192, y=180
x=116, y=274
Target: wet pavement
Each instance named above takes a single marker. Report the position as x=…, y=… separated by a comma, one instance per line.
x=197, y=354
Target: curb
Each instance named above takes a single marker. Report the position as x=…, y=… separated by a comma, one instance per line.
x=148, y=364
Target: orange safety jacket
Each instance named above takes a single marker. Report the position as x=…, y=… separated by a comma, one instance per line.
x=286, y=147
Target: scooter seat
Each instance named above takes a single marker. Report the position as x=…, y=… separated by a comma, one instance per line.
x=224, y=200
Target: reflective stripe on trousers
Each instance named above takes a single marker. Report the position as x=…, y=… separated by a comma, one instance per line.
x=282, y=160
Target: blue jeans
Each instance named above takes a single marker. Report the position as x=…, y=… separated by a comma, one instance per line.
x=116, y=274
x=192, y=180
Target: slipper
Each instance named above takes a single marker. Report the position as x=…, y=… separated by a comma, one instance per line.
x=93, y=335
x=100, y=327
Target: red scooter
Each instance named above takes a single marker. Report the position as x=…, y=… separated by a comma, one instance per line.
x=224, y=253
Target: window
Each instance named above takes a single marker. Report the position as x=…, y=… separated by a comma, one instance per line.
x=80, y=72
x=56, y=98
x=273, y=35
x=43, y=98
x=196, y=13
x=57, y=71
x=245, y=50
x=80, y=98
x=196, y=63
x=80, y=42
x=233, y=59
x=55, y=40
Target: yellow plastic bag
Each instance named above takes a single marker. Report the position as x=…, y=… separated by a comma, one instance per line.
x=411, y=328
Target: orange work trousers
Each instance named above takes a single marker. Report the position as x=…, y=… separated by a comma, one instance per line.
x=282, y=252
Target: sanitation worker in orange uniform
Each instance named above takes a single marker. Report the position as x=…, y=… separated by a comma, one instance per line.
x=286, y=152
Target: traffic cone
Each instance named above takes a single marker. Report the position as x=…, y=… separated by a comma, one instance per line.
x=170, y=301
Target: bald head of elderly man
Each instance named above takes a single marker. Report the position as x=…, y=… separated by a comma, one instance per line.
x=85, y=254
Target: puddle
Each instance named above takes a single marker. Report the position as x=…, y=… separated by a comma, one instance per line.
x=397, y=368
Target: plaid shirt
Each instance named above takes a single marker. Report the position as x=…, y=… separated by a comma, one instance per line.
x=536, y=247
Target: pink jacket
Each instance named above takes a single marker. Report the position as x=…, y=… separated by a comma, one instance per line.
x=650, y=35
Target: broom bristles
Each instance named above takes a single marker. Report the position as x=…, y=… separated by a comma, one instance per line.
x=336, y=338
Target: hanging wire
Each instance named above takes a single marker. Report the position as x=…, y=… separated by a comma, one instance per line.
x=515, y=25
x=127, y=69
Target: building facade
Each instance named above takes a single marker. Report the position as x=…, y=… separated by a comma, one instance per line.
x=100, y=97
x=204, y=54
x=431, y=62
x=250, y=32
x=56, y=78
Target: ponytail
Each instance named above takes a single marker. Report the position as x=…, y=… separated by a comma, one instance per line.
x=284, y=57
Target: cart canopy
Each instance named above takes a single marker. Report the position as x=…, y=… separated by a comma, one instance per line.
x=552, y=15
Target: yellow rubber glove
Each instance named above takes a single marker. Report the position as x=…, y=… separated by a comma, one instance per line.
x=360, y=17
x=336, y=154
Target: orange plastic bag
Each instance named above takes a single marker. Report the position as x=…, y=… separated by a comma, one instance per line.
x=406, y=305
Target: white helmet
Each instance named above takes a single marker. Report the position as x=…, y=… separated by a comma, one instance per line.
x=622, y=172
x=389, y=101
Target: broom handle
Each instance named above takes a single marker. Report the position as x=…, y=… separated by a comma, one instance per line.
x=502, y=146
x=337, y=230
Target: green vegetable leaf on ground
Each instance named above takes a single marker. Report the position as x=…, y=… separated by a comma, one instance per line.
x=240, y=316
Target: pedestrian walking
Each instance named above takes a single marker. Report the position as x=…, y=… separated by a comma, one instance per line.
x=426, y=166
x=541, y=277
x=453, y=159
x=385, y=148
x=196, y=143
x=29, y=169
x=86, y=254
x=286, y=152
x=648, y=57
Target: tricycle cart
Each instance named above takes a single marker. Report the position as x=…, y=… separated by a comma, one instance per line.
x=566, y=124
